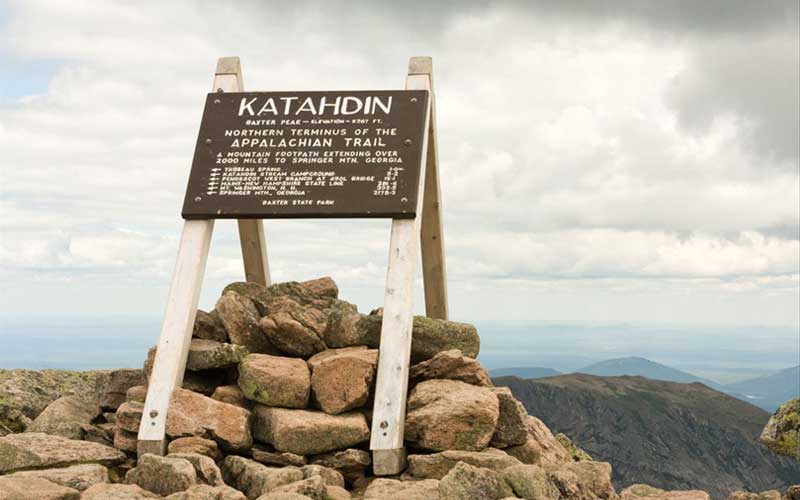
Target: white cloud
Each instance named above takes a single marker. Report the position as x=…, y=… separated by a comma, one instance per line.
x=575, y=155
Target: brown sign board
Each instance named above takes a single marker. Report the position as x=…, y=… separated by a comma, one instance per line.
x=308, y=154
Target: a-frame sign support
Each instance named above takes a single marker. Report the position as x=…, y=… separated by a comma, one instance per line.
x=424, y=230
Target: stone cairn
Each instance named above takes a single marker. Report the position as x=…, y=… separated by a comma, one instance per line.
x=276, y=404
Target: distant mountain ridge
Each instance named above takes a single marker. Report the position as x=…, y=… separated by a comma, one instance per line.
x=642, y=367
x=769, y=391
x=524, y=372
x=670, y=435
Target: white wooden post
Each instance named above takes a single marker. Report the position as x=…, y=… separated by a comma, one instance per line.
x=184, y=294
x=434, y=272
x=176, y=333
x=391, y=387
x=228, y=78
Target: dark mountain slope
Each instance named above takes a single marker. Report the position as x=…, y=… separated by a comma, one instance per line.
x=524, y=372
x=669, y=435
x=770, y=391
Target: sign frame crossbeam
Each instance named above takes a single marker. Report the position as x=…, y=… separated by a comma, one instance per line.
x=409, y=238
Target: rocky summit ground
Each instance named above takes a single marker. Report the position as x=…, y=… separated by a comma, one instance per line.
x=276, y=405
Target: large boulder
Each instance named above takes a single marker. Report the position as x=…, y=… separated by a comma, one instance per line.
x=645, y=492
x=466, y=482
x=66, y=416
x=392, y=489
x=541, y=447
x=512, y=425
x=275, y=380
x=162, y=475
x=584, y=481
x=428, y=337
x=34, y=488
x=207, y=354
x=451, y=415
x=240, y=317
x=77, y=477
x=305, y=432
x=342, y=378
x=451, y=365
x=294, y=328
x=437, y=465
x=209, y=326
x=192, y=414
x=255, y=479
x=782, y=432
x=118, y=492
x=33, y=450
x=529, y=482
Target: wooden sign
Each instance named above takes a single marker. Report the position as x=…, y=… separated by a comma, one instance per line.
x=242, y=170
x=308, y=154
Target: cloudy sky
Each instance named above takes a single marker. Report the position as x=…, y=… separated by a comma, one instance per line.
x=601, y=161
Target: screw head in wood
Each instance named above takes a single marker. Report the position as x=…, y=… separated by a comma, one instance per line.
x=217, y=101
x=153, y=413
x=208, y=141
x=220, y=90
x=197, y=198
x=413, y=99
x=407, y=142
x=384, y=424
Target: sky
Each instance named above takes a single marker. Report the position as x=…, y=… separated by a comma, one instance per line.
x=601, y=162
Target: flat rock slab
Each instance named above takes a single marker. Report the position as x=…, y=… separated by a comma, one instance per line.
x=208, y=354
x=392, y=489
x=275, y=380
x=33, y=450
x=78, y=477
x=195, y=444
x=437, y=465
x=34, y=488
x=645, y=492
x=305, y=432
x=451, y=415
x=206, y=492
x=428, y=336
x=117, y=492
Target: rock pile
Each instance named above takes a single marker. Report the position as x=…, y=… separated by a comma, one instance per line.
x=276, y=405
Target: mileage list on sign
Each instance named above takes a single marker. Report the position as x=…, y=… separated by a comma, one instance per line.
x=308, y=154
